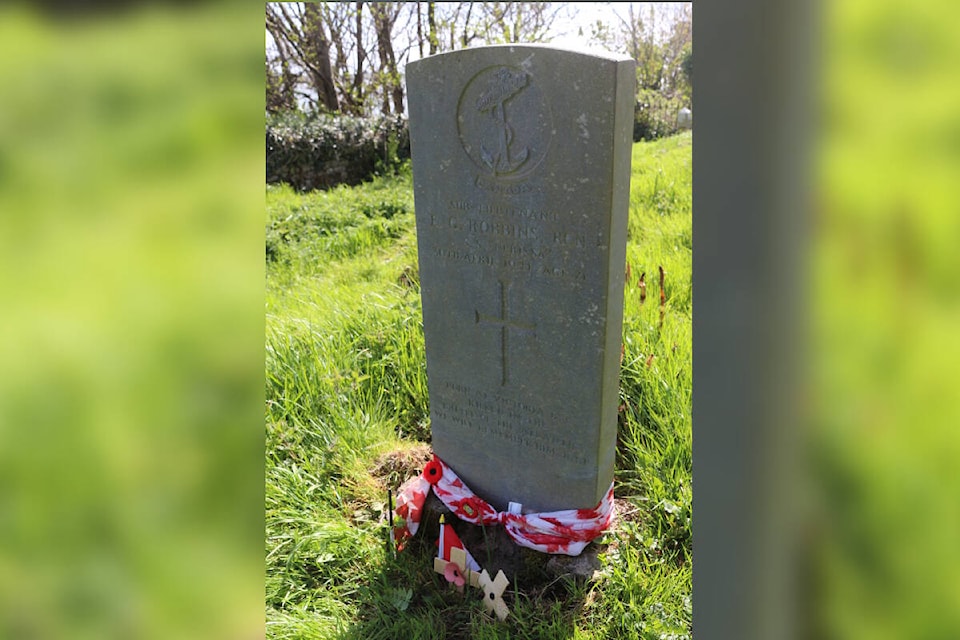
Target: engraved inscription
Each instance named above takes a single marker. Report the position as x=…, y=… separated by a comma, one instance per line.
x=504, y=122
x=486, y=184
x=464, y=256
x=525, y=240
x=508, y=420
x=505, y=324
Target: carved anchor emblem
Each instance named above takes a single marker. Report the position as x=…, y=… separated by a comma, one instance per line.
x=504, y=85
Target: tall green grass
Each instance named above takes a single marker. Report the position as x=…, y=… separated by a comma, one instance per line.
x=346, y=384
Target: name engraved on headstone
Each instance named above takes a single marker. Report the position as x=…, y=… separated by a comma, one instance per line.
x=539, y=243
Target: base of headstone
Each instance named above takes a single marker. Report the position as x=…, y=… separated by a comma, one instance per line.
x=494, y=549
x=491, y=546
x=582, y=567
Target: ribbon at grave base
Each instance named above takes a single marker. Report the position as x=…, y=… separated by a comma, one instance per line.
x=566, y=532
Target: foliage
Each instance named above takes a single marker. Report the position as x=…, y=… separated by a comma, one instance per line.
x=884, y=300
x=659, y=39
x=349, y=57
x=321, y=151
x=131, y=369
x=346, y=384
x=337, y=223
x=515, y=22
x=655, y=115
x=686, y=65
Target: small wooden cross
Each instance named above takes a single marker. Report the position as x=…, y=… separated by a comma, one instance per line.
x=492, y=593
x=458, y=557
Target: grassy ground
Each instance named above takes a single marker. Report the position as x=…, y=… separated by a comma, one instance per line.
x=347, y=417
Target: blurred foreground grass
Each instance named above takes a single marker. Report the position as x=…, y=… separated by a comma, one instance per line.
x=885, y=293
x=131, y=355
x=131, y=248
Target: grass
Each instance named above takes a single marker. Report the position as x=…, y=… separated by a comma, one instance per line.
x=131, y=364
x=885, y=310
x=346, y=393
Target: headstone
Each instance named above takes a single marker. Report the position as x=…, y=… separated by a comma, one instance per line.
x=685, y=119
x=521, y=164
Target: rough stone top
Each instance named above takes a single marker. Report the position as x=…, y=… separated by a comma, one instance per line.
x=586, y=51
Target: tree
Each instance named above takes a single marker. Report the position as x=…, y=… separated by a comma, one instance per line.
x=466, y=36
x=601, y=35
x=317, y=57
x=276, y=99
x=514, y=22
x=298, y=34
x=348, y=56
x=658, y=36
x=345, y=23
x=638, y=33
x=385, y=15
x=677, y=48
x=432, y=27
x=280, y=79
x=333, y=56
x=448, y=25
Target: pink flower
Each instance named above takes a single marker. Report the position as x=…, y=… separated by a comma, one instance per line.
x=453, y=574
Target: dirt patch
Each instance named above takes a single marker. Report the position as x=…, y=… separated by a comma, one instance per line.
x=626, y=511
x=395, y=467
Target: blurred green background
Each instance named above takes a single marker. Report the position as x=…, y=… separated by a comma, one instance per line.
x=885, y=323
x=131, y=357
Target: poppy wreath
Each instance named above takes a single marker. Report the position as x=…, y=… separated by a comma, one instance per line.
x=558, y=532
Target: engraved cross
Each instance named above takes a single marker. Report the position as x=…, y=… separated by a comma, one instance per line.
x=505, y=324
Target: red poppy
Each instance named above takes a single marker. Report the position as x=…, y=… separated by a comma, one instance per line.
x=433, y=471
x=471, y=508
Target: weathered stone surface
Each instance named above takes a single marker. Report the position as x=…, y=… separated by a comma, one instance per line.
x=521, y=161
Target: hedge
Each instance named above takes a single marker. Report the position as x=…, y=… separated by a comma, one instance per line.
x=655, y=115
x=322, y=151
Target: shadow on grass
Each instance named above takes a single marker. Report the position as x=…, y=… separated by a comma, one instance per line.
x=405, y=598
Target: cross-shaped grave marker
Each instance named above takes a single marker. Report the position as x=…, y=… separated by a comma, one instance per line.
x=505, y=324
x=493, y=593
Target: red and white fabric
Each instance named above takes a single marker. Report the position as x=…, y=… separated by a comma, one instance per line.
x=566, y=532
x=449, y=540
